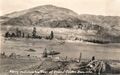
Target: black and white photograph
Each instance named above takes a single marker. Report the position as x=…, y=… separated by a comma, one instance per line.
x=59, y=37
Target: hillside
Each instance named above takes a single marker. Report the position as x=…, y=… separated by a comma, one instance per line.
x=47, y=15
x=106, y=27
x=110, y=22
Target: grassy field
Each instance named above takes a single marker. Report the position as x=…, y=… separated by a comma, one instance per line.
x=64, y=33
x=8, y=64
x=70, y=49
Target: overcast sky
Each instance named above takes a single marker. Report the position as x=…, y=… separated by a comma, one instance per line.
x=97, y=7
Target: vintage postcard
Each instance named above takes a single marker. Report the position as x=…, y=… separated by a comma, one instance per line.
x=59, y=37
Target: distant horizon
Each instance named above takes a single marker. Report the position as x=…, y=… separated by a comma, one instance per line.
x=92, y=7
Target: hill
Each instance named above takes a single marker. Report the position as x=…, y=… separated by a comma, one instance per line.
x=47, y=16
x=110, y=22
x=58, y=17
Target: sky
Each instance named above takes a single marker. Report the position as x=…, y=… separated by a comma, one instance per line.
x=96, y=7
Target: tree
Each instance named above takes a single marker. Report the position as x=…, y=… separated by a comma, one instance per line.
x=13, y=35
x=18, y=33
x=34, y=32
x=17, y=30
x=28, y=36
x=7, y=34
x=23, y=34
x=51, y=35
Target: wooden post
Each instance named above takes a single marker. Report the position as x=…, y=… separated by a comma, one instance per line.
x=80, y=57
x=66, y=58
